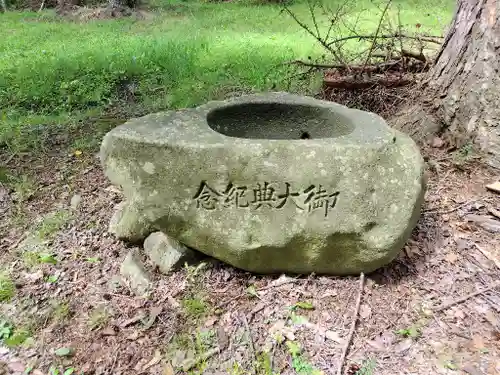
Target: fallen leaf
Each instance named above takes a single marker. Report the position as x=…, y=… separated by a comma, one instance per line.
x=365, y=311
x=16, y=367
x=451, y=257
x=211, y=321
x=478, y=342
x=403, y=346
x=251, y=291
x=437, y=142
x=133, y=336
x=168, y=369
x=78, y=152
x=109, y=331
x=133, y=320
x=173, y=302
x=495, y=187
x=334, y=336
x=222, y=338
x=153, y=314
x=64, y=352
x=490, y=225
x=492, y=319
x=154, y=361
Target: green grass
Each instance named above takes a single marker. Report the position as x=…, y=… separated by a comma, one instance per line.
x=55, y=73
x=7, y=287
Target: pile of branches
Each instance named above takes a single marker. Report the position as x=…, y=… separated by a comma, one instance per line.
x=358, y=65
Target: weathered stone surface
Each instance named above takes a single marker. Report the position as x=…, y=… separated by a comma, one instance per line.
x=270, y=183
x=167, y=253
x=128, y=223
x=135, y=274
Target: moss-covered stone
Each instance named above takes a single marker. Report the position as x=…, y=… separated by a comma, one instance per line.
x=270, y=183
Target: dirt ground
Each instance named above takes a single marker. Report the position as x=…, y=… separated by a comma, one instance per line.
x=217, y=320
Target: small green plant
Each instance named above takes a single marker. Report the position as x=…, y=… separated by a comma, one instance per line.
x=60, y=310
x=55, y=371
x=17, y=337
x=263, y=365
x=52, y=223
x=93, y=260
x=193, y=273
x=47, y=258
x=23, y=186
x=98, y=318
x=413, y=332
x=7, y=287
x=299, y=363
x=195, y=307
x=5, y=329
x=52, y=279
x=367, y=367
x=237, y=369
x=302, y=305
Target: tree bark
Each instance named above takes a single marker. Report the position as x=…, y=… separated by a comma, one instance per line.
x=3, y=6
x=462, y=94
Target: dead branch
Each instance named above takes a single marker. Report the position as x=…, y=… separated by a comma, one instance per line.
x=465, y=298
x=432, y=39
x=317, y=37
x=377, y=32
x=417, y=56
x=356, y=68
x=353, y=324
x=250, y=338
x=351, y=82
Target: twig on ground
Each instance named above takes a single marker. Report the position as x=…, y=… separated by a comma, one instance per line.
x=488, y=255
x=278, y=284
x=250, y=339
x=456, y=208
x=353, y=324
x=18, y=241
x=465, y=298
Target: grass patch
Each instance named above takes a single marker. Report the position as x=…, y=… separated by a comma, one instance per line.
x=51, y=224
x=7, y=287
x=59, y=310
x=182, y=56
x=195, y=307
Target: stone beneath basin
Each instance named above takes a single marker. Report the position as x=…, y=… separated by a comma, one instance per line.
x=269, y=183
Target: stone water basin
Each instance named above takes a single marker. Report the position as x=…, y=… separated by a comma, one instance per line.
x=269, y=183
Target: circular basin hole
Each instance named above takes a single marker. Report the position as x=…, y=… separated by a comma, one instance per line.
x=278, y=121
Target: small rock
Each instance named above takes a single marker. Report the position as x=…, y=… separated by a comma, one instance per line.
x=437, y=142
x=135, y=274
x=495, y=187
x=16, y=367
x=75, y=201
x=167, y=253
x=128, y=224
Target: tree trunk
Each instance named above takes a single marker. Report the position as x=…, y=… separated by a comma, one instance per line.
x=3, y=6
x=463, y=89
